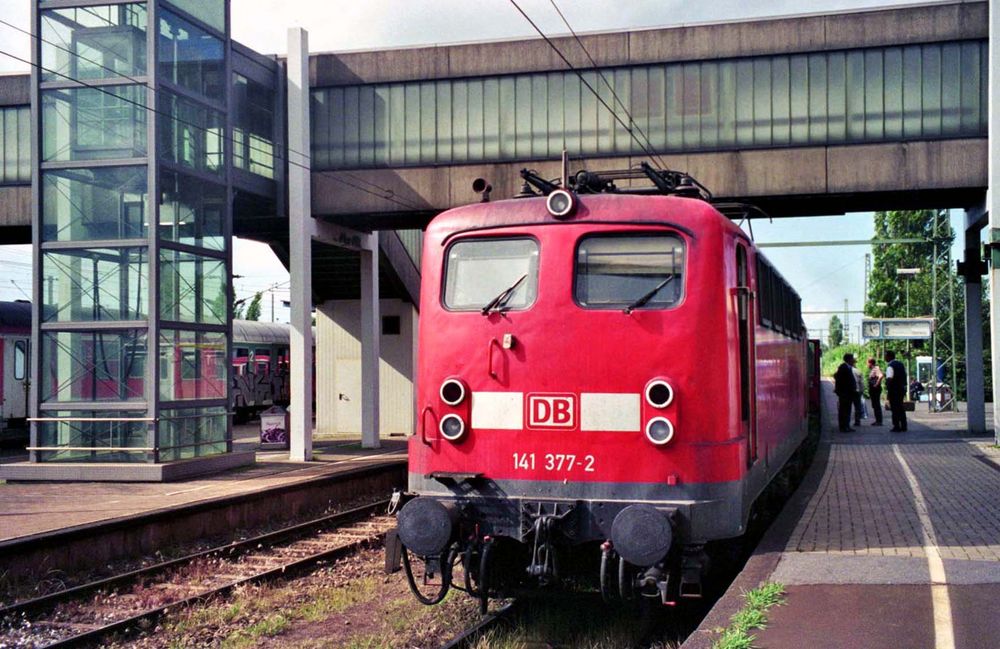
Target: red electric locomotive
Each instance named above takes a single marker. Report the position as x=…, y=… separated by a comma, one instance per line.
x=606, y=383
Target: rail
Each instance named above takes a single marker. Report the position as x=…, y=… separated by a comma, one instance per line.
x=362, y=533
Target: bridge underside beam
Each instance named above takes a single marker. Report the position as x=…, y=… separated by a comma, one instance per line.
x=805, y=181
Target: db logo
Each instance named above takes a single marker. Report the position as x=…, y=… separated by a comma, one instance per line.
x=551, y=411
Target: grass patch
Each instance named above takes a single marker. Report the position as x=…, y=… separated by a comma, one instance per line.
x=752, y=616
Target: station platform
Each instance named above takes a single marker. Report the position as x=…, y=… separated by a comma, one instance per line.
x=56, y=528
x=28, y=509
x=892, y=540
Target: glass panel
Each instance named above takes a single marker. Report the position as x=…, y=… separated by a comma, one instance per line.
x=556, y=127
x=970, y=80
x=874, y=89
x=762, y=102
x=190, y=57
x=540, y=117
x=89, y=204
x=366, y=126
x=193, y=365
x=191, y=134
x=478, y=271
x=460, y=131
x=605, y=118
x=93, y=42
x=445, y=152
x=589, y=123
x=912, y=91
x=192, y=432
x=319, y=123
x=336, y=125
x=95, y=285
x=210, y=12
x=781, y=102
x=624, y=143
x=380, y=135
x=931, y=90
x=744, y=104
x=691, y=106
x=709, y=106
x=352, y=126
x=253, y=127
x=193, y=288
x=614, y=271
x=727, y=103
x=522, y=116
x=192, y=211
x=836, y=101
x=428, y=128
x=20, y=359
x=893, y=73
x=572, y=112
x=94, y=123
x=951, y=89
x=855, y=96
x=798, y=71
x=397, y=124
x=103, y=441
x=477, y=136
x=491, y=119
x=818, y=84
x=15, y=145
x=93, y=366
x=411, y=114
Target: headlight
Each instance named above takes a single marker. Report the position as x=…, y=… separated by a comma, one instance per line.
x=452, y=392
x=561, y=204
x=452, y=427
x=659, y=394
x=659, y=430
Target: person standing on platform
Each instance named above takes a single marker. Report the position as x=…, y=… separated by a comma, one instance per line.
x=846, y=389
x=895, y=385
x=875, y=379
x=859, y=400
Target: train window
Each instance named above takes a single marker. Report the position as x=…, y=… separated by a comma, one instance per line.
x=20, y=359
x=477, y=271
x=613, y=271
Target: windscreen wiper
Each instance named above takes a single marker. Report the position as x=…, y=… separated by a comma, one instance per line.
x=504, y=295
x=648, y=296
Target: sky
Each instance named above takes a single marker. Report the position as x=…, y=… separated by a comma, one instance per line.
x=823, y=276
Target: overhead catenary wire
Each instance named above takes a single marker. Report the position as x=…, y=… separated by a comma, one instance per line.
x=579, y=74
x=386, y=194
x=614, y=94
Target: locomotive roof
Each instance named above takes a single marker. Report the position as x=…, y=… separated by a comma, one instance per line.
x=689, y=214
x=15, y=316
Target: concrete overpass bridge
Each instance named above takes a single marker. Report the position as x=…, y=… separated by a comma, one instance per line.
x=802, y=115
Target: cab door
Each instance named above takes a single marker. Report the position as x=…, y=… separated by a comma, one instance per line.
x=745, y=346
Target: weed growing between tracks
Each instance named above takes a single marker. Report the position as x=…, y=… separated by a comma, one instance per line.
x=752, y=616
x=349, y=603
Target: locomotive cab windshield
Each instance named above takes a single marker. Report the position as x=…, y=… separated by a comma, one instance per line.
x=628, y=272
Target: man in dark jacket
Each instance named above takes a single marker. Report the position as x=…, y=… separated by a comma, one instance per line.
x=895, y=387
x=846, y=388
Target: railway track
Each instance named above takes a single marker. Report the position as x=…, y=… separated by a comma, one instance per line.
x=501, y=616
x=87, y=613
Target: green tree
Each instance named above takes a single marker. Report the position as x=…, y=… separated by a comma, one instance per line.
x=912, y=295
x=836, y=337
x=253, y=309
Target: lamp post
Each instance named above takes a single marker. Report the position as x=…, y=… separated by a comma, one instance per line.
x=908, y=274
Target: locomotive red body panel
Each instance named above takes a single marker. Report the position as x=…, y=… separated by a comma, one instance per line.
x=550, y=407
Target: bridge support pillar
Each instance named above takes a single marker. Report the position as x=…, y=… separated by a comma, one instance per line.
x=972, y=269
x=993, y=202
x=301, y=229
x=371, y=322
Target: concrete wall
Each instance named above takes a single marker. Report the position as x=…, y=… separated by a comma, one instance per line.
x=338, y=368
x=15, y=214
x=871, y=28
x=948, y=173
